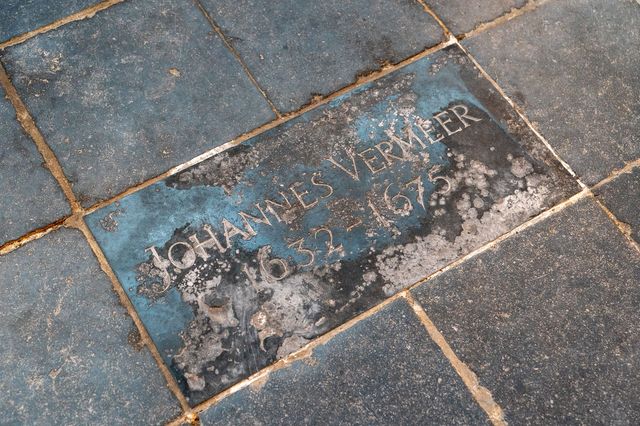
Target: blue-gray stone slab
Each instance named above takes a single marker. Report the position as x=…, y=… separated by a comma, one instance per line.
x=299, y=49
x=246, y=256
x=461, y=16
x=384, y=370
x=622, y=197
x=133, y=91
x=69, y=352
x=570, y=65
x=549, y=320
x=21, y=16
x=30, y=197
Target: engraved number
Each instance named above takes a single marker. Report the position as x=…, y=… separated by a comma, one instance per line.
x=419, y=189
x=267, y=266
x=330, y=247
x=309, y=253
x=392, y=202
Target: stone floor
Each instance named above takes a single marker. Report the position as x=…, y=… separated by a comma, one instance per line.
x=337, y=212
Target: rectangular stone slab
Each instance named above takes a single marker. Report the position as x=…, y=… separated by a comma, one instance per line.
x=247, y=256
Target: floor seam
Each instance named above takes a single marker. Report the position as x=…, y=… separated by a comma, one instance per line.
x=479, y=393
x=172, y=384
x=86, y=13
x=28, y=124
x=515, y=12
x=236, y=55
x=622, y=227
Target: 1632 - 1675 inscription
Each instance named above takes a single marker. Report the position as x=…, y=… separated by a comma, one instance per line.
x=303, y=195
x=247, y=256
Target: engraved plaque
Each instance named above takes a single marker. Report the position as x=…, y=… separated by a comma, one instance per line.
x=247, y=256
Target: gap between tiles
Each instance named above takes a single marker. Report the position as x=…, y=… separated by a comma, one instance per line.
x=480, y=394
x=86, y=13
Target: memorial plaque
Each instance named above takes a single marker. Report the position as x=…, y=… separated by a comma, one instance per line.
x=247, y=256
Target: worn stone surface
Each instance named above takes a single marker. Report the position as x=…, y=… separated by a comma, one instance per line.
x=21, y=16
x=549, y=320
x=461, y=16
x=29, y=195
x=66, y=356
x=132, y=92
x=299, y=49
x=322, y=217
x=569, y=65
x=384, y=370
x=622, y=197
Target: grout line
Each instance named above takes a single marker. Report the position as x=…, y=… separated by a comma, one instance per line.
x=481, y=394
x=524, y=118
x=362, y=80
x=172, y=384
x=89, y=12
x=530, y=6
x=29, y=126
x=628, y=167
x=307, y=350
x=624, y=228
x=235, y=53
x=440, y=22
x=12, y=245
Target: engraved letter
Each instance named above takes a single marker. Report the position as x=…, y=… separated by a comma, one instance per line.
x=463, y=115
x=411, y=136
x=444, y=123
x=161, y=264
x=230, y=230
x=271, y=203
x=299, y=196
x=354, y=173
x=429, y=127
x=316, y=182
x=386, y=153
x=188, y=258
x=245, y=219
x=369, y=161
x=212, y=242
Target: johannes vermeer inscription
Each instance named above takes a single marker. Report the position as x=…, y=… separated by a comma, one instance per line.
x=247, y=256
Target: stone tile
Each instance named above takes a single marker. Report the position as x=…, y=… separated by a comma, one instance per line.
x=29, y=195
x=306, y=237
x=132, y=92
x=549, y=320
x=299, y=49
x=568, y=64
x=69, y=354
x=384, y=370
x=622, y=197
x=461, y=16
x=21, y=16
